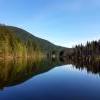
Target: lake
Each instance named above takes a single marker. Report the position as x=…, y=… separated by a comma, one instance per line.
x=48, y=80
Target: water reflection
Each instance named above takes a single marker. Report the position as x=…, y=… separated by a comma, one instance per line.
x=89, y=65
x=17, y=71
x=14, y=72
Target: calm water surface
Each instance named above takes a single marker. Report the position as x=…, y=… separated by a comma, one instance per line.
x=47, y=81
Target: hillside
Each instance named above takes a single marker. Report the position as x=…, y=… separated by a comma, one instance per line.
x=18, y=42
x=25, y=36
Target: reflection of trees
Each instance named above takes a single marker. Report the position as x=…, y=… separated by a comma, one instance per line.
x=17, y=71
x=84, y=56
x=90, y=65
x=93, y=67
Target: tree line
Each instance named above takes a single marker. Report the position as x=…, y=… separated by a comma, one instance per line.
x=11, y=46
x=88, y=52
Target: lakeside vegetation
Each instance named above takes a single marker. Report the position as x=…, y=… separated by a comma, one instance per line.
x=84, y=57
x=88, y=52
x=12, y=46
x=16, y=43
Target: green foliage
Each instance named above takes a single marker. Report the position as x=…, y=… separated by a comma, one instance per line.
x=12, y=46
x=88, y=52
x=16, y=42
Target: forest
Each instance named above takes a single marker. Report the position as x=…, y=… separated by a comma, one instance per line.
x=84, y=53
x=11, y=46
x=18, y=43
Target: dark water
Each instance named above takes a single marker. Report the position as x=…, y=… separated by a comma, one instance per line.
x=49, y=80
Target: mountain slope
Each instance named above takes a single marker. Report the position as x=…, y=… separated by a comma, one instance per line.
x=18, y=42
x=25, y=36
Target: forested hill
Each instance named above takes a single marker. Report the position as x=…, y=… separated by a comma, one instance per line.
x=25, y=36
x=18, y=42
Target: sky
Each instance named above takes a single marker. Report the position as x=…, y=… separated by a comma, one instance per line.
x=62, y=22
